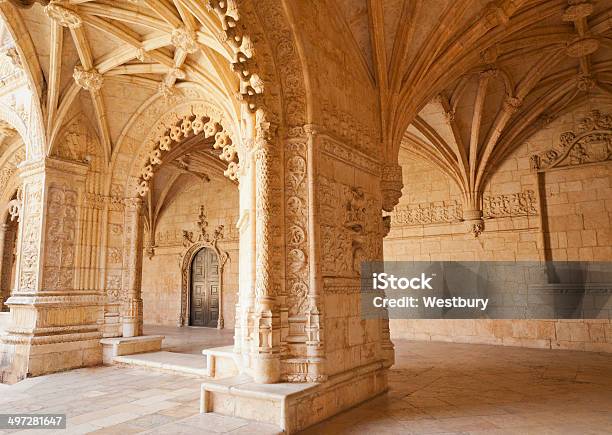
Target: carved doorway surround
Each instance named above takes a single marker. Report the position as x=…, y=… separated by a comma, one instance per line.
x=194, y=243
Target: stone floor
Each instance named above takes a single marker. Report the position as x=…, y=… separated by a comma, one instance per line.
x=435, y=388
x=190, y=339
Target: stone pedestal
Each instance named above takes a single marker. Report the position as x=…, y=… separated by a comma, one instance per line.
x=292, y=406
x=53, y=325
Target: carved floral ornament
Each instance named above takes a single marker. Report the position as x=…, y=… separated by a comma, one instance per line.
x=190, y=125
x=589, y=142
x=447, y=212
x=62, y=15
x=234, y=34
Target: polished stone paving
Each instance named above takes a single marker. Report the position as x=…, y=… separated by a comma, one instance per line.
x=435, y=388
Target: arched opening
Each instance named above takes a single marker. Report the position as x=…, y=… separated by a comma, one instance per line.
x=8, y=255
x=204, y=289
x=191, y=247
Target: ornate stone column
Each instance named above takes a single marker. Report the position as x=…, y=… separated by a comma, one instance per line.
x=267, y=315
x=3, y=228
x=132, y=268
x=391, y=184
x=53, y=324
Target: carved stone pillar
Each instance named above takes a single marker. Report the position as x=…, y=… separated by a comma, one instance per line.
x=3, y=229
x=53, y=324
x=267, y=313
x=132, y=268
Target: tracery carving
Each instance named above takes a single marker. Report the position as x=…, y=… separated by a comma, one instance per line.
x=589, y=142
x=199, y=121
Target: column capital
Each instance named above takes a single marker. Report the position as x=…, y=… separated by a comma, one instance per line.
x=391, y=185
x=133, y=203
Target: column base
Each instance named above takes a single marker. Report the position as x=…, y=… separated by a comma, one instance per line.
x=293, y=406
x=22, y=357
x=49, y=333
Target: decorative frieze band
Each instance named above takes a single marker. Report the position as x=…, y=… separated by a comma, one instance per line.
x=444, y=212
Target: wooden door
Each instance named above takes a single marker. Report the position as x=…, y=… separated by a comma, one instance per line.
x=204, y=302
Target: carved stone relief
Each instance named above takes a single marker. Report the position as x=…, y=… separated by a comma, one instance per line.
x=510, y=205
x=427, y=213
x=350, y=227
x=31, y=237
x=589, y=142
x=60, y=239
x=296, y=226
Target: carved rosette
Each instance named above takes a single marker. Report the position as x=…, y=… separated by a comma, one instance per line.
x=391, y=185
x=184, y=39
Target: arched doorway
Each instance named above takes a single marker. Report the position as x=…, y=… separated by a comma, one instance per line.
x=204, y=289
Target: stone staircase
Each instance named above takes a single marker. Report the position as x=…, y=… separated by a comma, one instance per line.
x=145, y=353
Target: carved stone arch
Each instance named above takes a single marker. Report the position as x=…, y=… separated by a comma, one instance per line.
x=199, y=118
x=28, y=121
x=9, y=180
x=11, y=117
x=278, y=61
x=186, y=260
x=134, y=150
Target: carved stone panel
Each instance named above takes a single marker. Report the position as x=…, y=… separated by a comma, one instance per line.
x=589, y=142
x=60, y=238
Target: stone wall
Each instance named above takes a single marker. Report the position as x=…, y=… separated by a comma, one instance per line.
x=161, y=284
x=561, y=213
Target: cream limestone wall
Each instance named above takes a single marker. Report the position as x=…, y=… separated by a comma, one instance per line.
x=161, y=284
x=566, y=218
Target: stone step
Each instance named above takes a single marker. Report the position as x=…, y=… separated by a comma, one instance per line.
x=221, y=362
x=168, y=362
x=292, y=406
